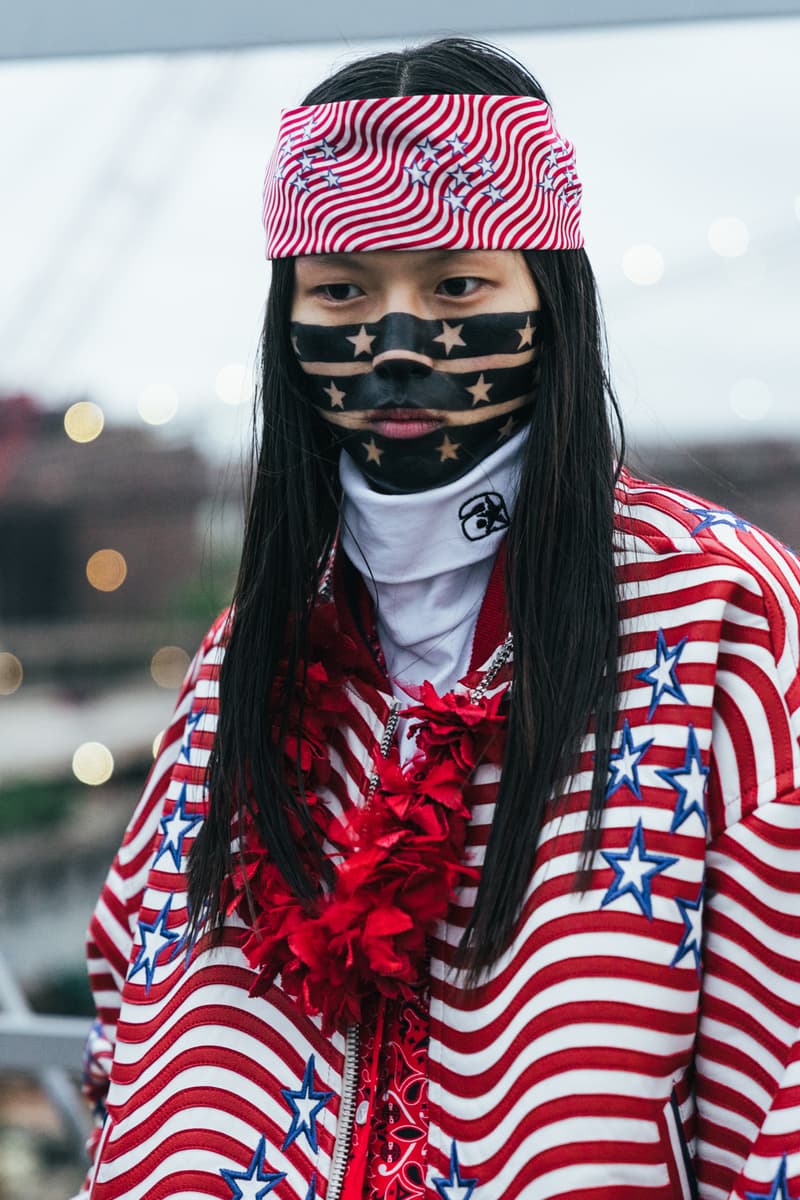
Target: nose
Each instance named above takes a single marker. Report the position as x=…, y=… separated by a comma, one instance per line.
x=400, y=365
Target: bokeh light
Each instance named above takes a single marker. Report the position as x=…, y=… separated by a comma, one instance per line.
x=169, y=665
x=157, y=740
x=232, y=384
x=10, y=673
x=84, y=421
x=728, y=237
x=106, y=570
x=93, y=763
x=750, y=399
x=157, y=404
x=643, y=264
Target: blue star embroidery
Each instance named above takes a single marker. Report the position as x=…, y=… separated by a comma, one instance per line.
x=779, y=1189
x=418, y=173
x=634, y=870
x=156, y=938
x=256, y=1182
x=716, y=516
x=456, y=202
x=690, y=782
x=312, y=1186
x=428, y=150
x=692, y=936
x=192, y=721
x=661, y=675
x=454, y=1187
x=456, y=144
x=494, y=193
x=175, y=827
x=624, y=764
x=306, y=1105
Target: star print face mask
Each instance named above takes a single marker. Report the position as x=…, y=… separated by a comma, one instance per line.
x=418, y=403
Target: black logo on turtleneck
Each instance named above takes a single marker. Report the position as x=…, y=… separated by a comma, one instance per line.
x=482, y=515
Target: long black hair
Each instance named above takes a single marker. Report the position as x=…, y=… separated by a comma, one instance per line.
x=560, y=573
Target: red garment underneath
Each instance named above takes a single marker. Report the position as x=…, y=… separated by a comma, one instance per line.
x=390, y=1133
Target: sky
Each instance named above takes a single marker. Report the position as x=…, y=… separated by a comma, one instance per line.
x=133, y=270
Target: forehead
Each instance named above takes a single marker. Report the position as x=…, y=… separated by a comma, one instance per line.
x=407, y=262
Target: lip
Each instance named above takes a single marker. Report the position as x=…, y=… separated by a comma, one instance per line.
x=404, y=422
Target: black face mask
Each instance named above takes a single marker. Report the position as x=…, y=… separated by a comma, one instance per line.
x=474, y=375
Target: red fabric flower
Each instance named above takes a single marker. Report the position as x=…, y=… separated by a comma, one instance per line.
x=402, y=854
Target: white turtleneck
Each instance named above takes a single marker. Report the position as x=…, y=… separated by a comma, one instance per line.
x=426, y=558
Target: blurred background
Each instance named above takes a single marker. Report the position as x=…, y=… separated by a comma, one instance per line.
x=132, y=288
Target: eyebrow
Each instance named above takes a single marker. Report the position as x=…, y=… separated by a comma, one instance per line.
x=355, y=259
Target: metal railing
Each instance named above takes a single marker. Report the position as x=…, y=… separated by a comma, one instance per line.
x=48, y=1047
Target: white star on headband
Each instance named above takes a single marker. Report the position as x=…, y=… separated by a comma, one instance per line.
x=459, y=176
x=418, y=173
x=428, y=149
x=456, y=145
x=455, y=201
x=327, y=150
x=493, y=193
x=485, y=166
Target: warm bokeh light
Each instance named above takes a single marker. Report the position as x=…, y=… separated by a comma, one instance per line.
x=169, y=665
x=643, y=264
x=233, y=384
x=93, y=763
x=106, y=570
x=157, y=740
x=750, y=399
x=158, y=404
x=10, y=673
x=84, y=421
x=728, y=237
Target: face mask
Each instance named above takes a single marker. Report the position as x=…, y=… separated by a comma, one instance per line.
x=418, y=403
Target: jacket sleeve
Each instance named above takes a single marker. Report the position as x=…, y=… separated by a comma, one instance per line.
x=747, y=1062
x=113, y=924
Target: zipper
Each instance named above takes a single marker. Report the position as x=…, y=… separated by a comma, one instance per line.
x=347, y=1107
x=499, y=659
x=347, y=1112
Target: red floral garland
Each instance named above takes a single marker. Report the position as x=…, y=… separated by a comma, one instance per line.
x=400, y=857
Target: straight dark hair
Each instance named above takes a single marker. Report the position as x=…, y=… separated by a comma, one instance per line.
x=560, y=573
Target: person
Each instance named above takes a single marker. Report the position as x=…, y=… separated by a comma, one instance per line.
x=468, y=866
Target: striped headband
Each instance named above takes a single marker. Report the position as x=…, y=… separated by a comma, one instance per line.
x=419, y=172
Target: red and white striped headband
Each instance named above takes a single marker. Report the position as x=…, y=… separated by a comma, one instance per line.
x=419, y=172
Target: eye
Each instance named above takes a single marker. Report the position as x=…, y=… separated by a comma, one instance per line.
x=337, y=292
x=460, y=285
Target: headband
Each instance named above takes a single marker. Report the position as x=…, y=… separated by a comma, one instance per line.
x=421, y=172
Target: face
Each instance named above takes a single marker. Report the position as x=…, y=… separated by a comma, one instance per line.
x=420, y=361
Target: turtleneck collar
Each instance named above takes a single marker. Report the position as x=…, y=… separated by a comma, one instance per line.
x=426, y=558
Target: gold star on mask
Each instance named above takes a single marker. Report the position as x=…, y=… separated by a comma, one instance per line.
x=526, y=333
x=373, y=452
x=450, y=336
x=505, y=430
x=336, y=397
x=448, y=449
x=362, y=342
x=480, y=391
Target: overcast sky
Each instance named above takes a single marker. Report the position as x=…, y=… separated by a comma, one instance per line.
x=132, y=252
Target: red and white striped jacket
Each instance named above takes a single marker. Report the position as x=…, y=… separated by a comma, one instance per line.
x=637, y=1041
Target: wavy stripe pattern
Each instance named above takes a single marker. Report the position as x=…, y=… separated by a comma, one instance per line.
x=421, y=172
x=638, y=1040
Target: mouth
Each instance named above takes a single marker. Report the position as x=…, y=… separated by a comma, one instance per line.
x=403, y=422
